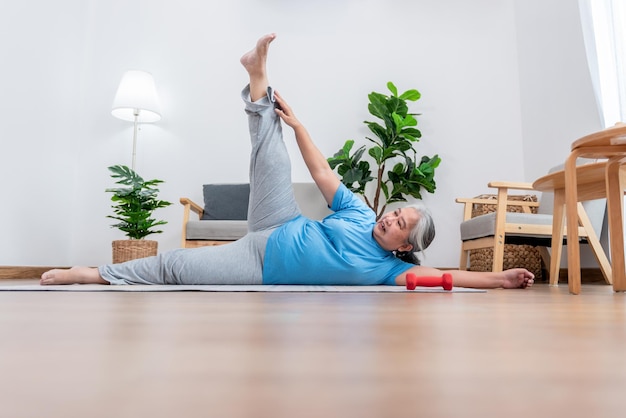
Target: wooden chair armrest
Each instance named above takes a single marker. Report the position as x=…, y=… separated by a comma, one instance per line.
x=191, y=205
x=464, y=200
x=510, y=185
x=467, y=208
x=493, y=201
x=503, y=187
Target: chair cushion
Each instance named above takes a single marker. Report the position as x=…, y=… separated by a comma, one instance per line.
x=216, y=230
x=226, y=201
x=485, y=225
x=226, y=207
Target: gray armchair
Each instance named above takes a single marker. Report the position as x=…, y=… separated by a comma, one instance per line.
x=222, y=218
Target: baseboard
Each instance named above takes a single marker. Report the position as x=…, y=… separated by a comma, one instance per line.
x=588, y=275
x=23, y=272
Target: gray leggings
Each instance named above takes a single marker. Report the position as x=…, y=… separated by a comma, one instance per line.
x=272, y=204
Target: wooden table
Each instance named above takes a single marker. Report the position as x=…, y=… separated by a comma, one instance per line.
x=579, y=183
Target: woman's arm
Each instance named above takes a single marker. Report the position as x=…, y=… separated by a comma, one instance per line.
x=508, y=279
x=318, y=166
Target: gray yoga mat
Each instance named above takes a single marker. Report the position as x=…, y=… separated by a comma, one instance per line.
x=227, y=288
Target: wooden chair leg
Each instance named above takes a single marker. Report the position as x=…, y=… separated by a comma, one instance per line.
x=498, y=255
x=499, y=236
x=596, y=247
x=615, y=197
x=571, y=209
x=557, y=236
x=464, y=257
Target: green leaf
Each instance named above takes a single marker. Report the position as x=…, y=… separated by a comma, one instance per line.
x=396, y=105
x=398, y=120
x=342, y=169
x=392, y=88
x=348, y=146
x=411, y=95
x=398, y=169
x=379, y=131
x=376, y=153
x=353, y=175
x=409, y=120
x=377, y=105
x=357, y=155
x=412, y=132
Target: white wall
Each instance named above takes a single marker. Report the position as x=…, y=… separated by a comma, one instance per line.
x=557, y=99
x=41, y=50
x=63, y=60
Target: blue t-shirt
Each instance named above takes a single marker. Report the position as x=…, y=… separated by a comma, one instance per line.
x=340, y=250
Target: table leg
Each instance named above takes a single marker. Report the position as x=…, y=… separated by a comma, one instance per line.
x=615, y=196
x=557, y=236
x=571, y=209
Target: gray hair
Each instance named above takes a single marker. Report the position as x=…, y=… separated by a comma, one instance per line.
x=421, y=235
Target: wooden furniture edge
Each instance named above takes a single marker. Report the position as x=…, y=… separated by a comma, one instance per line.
x=24, y=272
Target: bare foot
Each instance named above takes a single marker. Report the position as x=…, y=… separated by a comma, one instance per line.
x=83, y=275
x=517, y=278
x=254, y=60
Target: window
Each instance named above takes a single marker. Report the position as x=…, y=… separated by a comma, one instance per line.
x=604, y=29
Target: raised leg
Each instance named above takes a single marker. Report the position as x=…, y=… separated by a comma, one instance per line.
x=254, y=61
x=272, y=202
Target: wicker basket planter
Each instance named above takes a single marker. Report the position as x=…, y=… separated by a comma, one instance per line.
x=131, y=249
x=525, y=256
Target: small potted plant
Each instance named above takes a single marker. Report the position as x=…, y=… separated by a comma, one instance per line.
x=134, y=202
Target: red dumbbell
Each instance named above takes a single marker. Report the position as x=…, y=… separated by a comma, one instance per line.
x=444, y=281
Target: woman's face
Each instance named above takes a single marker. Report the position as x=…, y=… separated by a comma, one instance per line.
x=393, y=229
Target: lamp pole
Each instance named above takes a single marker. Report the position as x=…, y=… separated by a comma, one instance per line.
x=136, y=113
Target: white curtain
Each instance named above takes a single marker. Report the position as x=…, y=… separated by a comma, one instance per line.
x=604, y=30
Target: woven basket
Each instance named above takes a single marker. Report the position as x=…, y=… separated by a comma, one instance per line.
x=525, y=256
x=131, y=249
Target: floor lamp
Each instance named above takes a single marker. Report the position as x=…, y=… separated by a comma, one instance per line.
x=136, y=101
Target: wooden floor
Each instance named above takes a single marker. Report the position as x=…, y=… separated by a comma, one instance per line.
x=505, y=353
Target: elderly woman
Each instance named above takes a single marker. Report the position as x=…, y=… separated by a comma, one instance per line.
x=282, y=247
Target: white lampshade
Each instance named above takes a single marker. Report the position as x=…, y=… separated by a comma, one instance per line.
x=137, y=94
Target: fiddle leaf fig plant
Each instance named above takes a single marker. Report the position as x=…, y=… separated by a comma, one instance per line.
x=134, y=203
x=398, y=171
